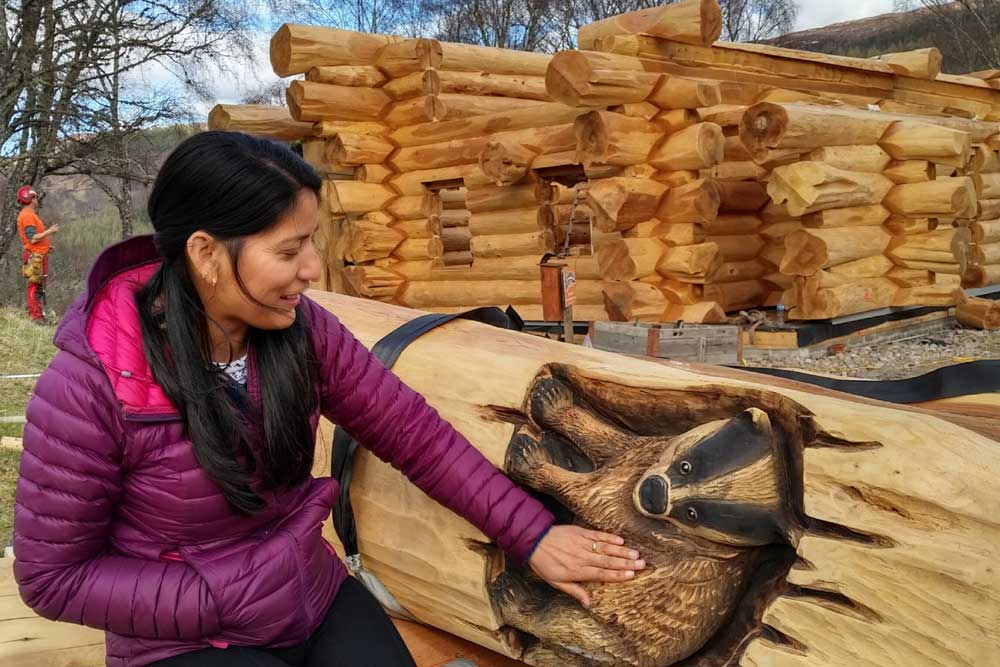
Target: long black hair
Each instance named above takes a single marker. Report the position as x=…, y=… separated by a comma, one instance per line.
x=230, y=185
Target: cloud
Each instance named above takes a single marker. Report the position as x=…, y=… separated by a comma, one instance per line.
x=817, y=13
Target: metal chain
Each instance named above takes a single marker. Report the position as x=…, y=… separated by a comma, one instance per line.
x=577, y=190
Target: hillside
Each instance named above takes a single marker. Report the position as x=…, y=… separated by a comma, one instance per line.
x=901, y=31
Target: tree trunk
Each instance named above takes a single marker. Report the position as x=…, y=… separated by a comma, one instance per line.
x=954, y=197
x=910, y=140
x=296, y=49
x=697, y=147
x=808, y=251
x=309, y=101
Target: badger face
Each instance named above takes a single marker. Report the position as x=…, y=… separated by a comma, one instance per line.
x=724, y=481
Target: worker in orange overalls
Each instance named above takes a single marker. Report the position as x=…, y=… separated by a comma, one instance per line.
x=35, y=238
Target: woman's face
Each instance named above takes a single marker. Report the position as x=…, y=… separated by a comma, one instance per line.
x=276, y=266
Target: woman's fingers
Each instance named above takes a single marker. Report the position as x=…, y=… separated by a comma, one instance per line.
x=576, y=591
x=603, y=574
x=615, y=551
x=607, y=538
x=614, y=563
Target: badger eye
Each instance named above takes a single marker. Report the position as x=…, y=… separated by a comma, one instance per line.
x=692, y=514
x=685, y=467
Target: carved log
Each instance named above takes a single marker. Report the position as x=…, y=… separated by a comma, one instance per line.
x=899, y=226
x=735, y=151
x=463, y=106
x=856, y=216
x=355, y=198
x=697, y=147
x=604, y=137
x=920, y=63
x=848, y=299
x=731, y=224
x=942, y=197
x=807, y=187
x=866, y=267
x=590, y=78
x=733, y=296
x=736, y=171
x=621, y=203
x=357, y=149
x=414, y=206
x=738, y=247
x=673, y=234
x=521, y=86
x=690, y=21
x=986, y=253
x=363, y=240
x=415, y=111
x=372, y=282
x=331, y=128
x=742, y=270
x=741, y=196
x=296, y=49
x=419, y=249
x=910, y=140
x=314, y=151
x=421, y=228
x=644, y=110
x=706, y=312
x=910, y=277
x=985, y=231
x=508, y=221
x=929, y=295
x=367, y=76
x=988, y=209
x=629, y=259
x=496, y=198
x=675, y=120
x=831, y=448
x=696, y=202
x=980, y=276
x=871, y=159
x=809, y=250
x=806, y=127
x=675, y=92
x=631, y=301
x=260, y=120
x=911, y=171
x=676, y=179
x=691, y=263
x=479, y=126
x=373, y=173
x=509, y=245
x=309, y=101
x=433, y=294
x=985, y=160
x=987, y=186
x=425, y=54
x=979, y=314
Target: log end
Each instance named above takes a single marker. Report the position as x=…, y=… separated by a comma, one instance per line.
x=218, y=118
x=591, y=138
x=711, y=21
x=560, y=82
x=804, y=255
x=280, y=51
x=762, y=127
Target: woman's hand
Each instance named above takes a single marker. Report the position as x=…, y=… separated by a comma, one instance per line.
x=568, y=555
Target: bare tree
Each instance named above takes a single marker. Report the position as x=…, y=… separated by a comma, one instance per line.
x=756, y=20
x=71, y=100
x=974, y=26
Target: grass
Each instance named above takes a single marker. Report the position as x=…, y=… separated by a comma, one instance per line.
x=30, y=351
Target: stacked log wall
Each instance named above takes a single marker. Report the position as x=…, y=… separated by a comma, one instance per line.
x=452, y=169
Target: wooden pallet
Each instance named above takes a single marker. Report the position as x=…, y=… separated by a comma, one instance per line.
x=27, y=640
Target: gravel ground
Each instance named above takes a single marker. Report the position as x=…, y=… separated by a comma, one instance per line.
x=893, y=360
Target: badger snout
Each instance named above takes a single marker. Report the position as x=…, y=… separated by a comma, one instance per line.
x=654, y=495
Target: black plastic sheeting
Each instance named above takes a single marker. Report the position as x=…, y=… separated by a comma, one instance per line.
x=973, y=377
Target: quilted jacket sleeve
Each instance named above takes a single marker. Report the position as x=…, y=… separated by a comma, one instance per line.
x=70, y=481
x=398, y=426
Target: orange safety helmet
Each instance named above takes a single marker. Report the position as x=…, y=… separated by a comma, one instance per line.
x=26, y=195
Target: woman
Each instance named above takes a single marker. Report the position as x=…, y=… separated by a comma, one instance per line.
x=165, y=493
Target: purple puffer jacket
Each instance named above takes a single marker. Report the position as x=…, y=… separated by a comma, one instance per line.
x=117, y=527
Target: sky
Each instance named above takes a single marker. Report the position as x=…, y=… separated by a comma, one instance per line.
x=816, y=13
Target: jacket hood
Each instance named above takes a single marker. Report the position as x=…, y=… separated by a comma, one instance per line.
x=102, y=325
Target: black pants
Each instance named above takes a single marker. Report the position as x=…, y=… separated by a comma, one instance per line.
x=355, y=633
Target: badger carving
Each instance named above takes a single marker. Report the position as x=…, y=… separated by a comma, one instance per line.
x=706, y=506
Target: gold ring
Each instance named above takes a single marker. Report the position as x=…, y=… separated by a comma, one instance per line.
x=593, y=547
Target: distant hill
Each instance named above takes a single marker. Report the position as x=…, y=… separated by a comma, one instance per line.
x=901, y=31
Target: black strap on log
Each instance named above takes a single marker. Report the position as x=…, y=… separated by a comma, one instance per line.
x=973, y=377
x=387, y=351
